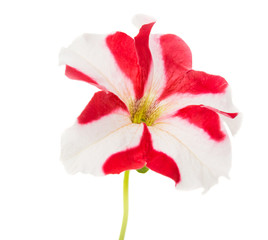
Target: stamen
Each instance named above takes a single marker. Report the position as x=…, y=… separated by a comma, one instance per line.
x=144, y=110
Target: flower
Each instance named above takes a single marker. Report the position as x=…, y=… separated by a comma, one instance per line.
x=153, y=110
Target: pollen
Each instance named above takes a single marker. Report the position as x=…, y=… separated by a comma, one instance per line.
x=144, y=110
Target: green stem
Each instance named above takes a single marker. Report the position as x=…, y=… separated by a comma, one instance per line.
x=125, y=197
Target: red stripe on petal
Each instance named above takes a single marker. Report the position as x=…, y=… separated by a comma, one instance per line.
x=123, y=49
x=226, y=114
x=203, y=118
x=144, y=154
x=230, y=115
x=100, y=105
x=177, y=58
x=144, y=56
x=196, y=82
x=73, y=73
x=165, y=165
x=200, y=82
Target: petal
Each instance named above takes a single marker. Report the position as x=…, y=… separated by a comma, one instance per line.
x=107, y=61
x=198, y=143
x=171, y=59
x=102, y=130
x=200, y=88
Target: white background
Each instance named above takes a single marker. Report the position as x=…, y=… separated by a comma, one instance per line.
x=40, y=201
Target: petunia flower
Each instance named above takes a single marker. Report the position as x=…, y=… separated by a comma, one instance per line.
x=153, y=110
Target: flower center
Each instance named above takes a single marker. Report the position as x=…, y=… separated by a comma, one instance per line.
x=144, y=110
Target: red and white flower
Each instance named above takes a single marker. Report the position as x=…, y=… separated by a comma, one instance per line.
x=153, y=110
